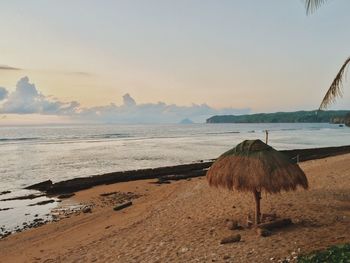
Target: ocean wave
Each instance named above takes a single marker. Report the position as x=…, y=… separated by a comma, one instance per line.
x=18, y=139
x=67, y=138
x=110, y=135
x=228, y=132
x=290, y=129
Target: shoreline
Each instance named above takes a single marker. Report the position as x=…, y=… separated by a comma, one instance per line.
x=58, y=192
x=184, y=221
x=176, y=172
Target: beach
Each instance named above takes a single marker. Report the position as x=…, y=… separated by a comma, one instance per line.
x=174, y=131
x=33, y=154
x=184, y=221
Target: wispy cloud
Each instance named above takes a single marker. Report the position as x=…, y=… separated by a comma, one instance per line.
x=5, y=67
x=80, y=73
x=26, y=99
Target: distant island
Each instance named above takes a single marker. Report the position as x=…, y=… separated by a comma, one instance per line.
x=186, y=121
x=315, y=116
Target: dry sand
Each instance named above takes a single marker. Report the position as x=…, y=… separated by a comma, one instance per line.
x=185, y=220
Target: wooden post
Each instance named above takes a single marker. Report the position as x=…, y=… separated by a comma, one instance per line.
x=267, y=136
x=257, y=197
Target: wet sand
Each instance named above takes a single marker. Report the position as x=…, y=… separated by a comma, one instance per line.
x=184, y=222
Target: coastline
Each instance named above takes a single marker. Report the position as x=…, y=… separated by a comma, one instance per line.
x=51, y=202
x=176, y=172
x=184, y=221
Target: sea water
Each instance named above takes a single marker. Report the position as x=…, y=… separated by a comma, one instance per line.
x=31, y=154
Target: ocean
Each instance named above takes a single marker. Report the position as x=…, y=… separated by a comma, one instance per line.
x=34, y=154
x=31, y=154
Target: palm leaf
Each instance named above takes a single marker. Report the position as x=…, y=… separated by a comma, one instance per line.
x=312, y=5
x=335, y=90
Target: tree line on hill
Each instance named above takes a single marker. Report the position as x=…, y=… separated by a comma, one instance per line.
x=316, y=116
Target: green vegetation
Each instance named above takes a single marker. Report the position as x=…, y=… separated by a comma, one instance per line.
x=344, y=119
x=283, y=117
x=338, y=254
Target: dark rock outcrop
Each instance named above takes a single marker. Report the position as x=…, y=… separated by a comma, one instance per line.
x=23, y=197
x=122, y=206
x=178, y=172
x=65, y=196
x=43, y=186
x=45, y=202
x=77, y=184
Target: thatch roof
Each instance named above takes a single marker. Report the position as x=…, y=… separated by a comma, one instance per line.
x=253, y=165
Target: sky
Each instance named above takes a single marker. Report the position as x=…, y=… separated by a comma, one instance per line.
x=162, y=61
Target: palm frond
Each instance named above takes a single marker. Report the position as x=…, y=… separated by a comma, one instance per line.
x=335, y=90
x=312, y=5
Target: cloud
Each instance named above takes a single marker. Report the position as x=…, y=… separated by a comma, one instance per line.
x=26, y=99
x=80, y=73
x=3, y=93
x=131, y=112
x=5, y=67
x=128, y=101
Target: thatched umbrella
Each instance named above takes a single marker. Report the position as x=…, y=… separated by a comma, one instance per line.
x=255, y=167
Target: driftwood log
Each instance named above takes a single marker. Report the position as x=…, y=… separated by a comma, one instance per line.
x=263, y=232
x=275, y=224
x=231, y=239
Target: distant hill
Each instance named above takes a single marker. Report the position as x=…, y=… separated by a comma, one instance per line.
x=283, y=117
x=186, y=121
x=342, y=119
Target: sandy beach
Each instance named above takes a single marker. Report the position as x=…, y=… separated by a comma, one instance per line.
x=184, y=221
x=174, y=131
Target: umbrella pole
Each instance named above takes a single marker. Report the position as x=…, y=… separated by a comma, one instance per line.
x=257, y=197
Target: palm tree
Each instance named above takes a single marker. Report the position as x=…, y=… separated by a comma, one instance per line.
x=335, y=90
x=312, y=5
